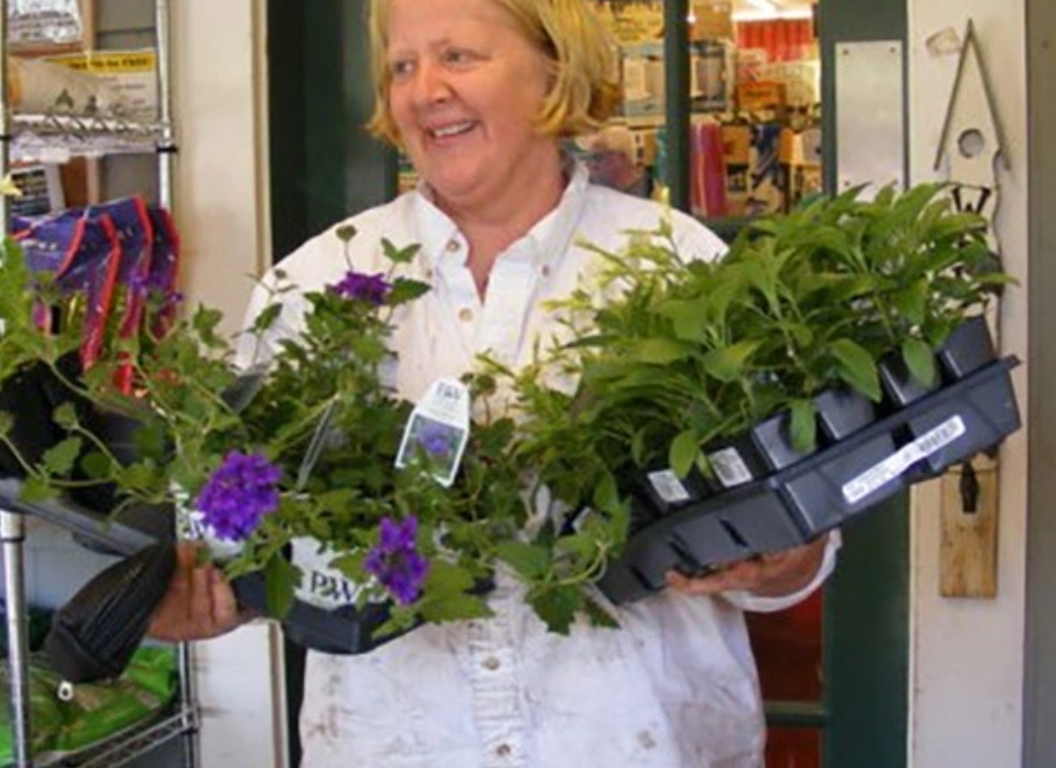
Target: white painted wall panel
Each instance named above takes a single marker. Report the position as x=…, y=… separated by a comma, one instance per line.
x=967, y=655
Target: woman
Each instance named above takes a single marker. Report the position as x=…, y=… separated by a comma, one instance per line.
x=479, y=93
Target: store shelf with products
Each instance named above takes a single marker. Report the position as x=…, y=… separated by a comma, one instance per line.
x=37, y=137
x=54, y=138
x=752, y=142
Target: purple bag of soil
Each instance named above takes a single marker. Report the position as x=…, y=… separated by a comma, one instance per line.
x=84, y=253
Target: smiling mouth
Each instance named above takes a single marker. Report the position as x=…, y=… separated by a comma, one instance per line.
x=449, y=131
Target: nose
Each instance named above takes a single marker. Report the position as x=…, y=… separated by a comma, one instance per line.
x=430, y=84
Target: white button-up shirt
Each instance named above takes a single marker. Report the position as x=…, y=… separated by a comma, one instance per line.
x=675, y=686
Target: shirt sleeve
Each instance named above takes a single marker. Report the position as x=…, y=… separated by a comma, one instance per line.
x=747, y=601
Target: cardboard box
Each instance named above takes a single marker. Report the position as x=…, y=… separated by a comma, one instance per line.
x=761, y=95
x=642, y=78
x=711, y=20
x=736, y=145
x=711, y=76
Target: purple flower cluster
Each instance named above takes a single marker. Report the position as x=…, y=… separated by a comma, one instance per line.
x=357, y=285
x=395, y=561
x=435, y=439
x=238, y=494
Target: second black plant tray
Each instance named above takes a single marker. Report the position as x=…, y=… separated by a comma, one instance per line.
x=345, y=630
x=823, y=490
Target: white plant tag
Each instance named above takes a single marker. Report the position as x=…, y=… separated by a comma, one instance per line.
x=668, y=487
x=439, y=426
x=191, y=526
x=321, y=586
x=729, y=467
x=894, y=465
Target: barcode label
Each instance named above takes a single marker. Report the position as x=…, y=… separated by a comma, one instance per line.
x=668, y=487
x=894, y=465
x=729, y=467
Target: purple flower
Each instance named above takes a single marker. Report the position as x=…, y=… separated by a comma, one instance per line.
x=435, y=439
x=238, y=494
x=395, y=561
x=357, y=285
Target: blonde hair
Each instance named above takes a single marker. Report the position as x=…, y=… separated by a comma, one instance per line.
x=585, y=88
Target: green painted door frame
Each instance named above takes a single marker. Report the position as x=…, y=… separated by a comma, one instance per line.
x=867, y=604
x=323, y=165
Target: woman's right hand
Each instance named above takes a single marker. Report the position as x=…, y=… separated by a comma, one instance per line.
x=198, y=604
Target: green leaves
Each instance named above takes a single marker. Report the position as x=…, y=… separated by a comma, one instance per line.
x=684, y=355
x=920, y=360
x=856, y=367
x=530, y=561
x=728, y=364
x=405, y=290
x=279, y=578
x=668, y=357
x=399, y=255
x=683, y=452
x=60, y=458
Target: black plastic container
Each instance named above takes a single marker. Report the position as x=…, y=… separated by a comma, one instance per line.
x=346, y=630
x=841, y=412
x=899, y=385
x=26, y=398
x=967, y=349
x=826, y=489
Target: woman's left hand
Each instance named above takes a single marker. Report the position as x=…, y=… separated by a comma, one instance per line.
x=774, y=574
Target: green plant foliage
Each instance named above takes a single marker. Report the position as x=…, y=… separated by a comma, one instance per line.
x=322, y=413
x=689, y=354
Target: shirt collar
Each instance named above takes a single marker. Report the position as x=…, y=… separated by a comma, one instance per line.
x=547, y=240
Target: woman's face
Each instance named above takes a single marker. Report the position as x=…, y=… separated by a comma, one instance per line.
x=466, y=86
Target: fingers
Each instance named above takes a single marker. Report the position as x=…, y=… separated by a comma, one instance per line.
x=198, y=604
x=742, y=575
x=225, y=613
x=769, y=574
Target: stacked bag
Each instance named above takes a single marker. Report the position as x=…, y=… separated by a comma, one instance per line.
x=115, y=253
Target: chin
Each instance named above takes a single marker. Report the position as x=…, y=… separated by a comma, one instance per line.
x=448, y=188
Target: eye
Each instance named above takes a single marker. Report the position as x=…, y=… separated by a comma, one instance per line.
x=400, y=69
x=458, y=57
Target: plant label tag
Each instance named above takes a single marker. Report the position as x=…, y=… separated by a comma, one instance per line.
x=730, y=467
x=894, y=465
x=438, y=430
x=191, y=526
x=321, y=586
x=668, y=487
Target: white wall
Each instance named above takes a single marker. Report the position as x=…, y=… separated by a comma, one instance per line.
x=967, y=655
x=221, y=207
x=221, y=180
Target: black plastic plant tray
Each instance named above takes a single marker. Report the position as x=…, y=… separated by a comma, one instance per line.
x=345, y=630
x=123, y=534
x=825, y=489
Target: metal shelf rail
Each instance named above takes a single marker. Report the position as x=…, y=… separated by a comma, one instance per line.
x=101, y=136
x=42, y=136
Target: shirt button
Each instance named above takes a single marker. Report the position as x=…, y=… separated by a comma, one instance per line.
x=491, y=663
x=545, y=270
x=452, y=245
x=503, y=750
x=465, y=314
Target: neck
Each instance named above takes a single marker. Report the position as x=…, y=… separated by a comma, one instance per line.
x=493, y=225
